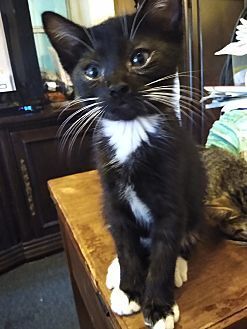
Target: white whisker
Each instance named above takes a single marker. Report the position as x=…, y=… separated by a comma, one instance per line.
x=60, y=130
x=180, y=74
x=123, y=21
x=137, y=27
x=135, y=18
x=186, y=101
x=75, y=101
x=74, y=127
x=80, y=119
x=183, y=98
x=171, y=87
x=69, y=105
x=91, y=118
x=98, y=118
x=91, y=37
x=170, y=103
x=98, y=122
x=62, y=35
x=154, y=107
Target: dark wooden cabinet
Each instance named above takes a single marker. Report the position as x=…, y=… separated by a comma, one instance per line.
x=30, y=156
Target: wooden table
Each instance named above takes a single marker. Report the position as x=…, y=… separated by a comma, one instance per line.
x=214, y=297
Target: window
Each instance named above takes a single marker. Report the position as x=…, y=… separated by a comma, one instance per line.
x=43, y=46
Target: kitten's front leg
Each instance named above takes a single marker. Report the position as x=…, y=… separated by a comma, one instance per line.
x=126, y=298
x=159, y=307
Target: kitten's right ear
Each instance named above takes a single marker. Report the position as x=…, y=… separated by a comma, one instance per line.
x=167, y=13
x=66, y=37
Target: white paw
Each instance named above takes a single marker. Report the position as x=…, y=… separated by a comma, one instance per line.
x=121, y=305
x=169, y=321
x=181, y=272
x=113, y=275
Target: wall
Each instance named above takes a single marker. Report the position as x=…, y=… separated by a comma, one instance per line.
x=124, y=6
x=91, y=12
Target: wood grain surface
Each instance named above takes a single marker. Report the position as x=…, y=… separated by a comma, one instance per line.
x=215, y=295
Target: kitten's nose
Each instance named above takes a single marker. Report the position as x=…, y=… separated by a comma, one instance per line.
x=119, y=89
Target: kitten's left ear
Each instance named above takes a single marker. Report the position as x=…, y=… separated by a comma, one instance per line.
x=67, y=38
x=168, y=13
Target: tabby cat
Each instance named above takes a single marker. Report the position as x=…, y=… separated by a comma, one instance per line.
x=226, y=198
x=123, y=71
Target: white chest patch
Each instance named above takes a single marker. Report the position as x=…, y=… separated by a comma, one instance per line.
x=126, y=136
x=140, y=210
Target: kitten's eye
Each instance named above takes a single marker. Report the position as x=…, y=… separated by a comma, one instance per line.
x=140, y=58
x=92, y=71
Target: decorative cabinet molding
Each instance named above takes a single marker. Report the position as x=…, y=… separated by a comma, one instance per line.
x=28, y=188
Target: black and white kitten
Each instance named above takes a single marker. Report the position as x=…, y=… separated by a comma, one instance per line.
x=152, y=178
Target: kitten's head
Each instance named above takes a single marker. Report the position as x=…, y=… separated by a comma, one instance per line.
x=120, y=58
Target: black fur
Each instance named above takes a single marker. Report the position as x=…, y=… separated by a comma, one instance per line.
x=166, y=172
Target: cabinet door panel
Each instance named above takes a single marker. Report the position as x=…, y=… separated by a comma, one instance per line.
x=12, y=212
x=38, y=160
